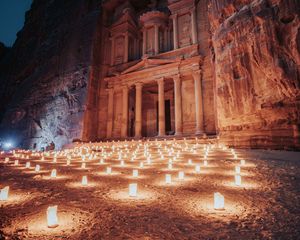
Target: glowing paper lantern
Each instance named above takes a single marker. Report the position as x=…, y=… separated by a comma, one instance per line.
x=141, y=165
x=133, y=189
x=218, y=201
x=170, y=166
x=168, y=178
x=122, y=163
x=108, y=170
x=52, y=217
x=68, y=162
x=37, y=168
x=6, y=160
x=53, y=173
x=205, y=163
x=181, y=175
x=83, y=165
x=190, y=162
x=4, y=193
x=27, y=165
x=16, y=162
x=243, y=162
x=101, y=161
x=197, y=168
x=238, y=180
x=84, y=181
x=135, y=173
x=238, y=169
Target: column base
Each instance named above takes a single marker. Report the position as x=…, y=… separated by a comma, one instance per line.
x=178, y=134
x=199, y=132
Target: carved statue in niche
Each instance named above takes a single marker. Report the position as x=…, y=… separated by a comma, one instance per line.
x=119, y=50
x=150, y=41
x=184, y=30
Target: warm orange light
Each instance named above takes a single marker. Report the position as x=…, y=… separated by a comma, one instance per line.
x=52, y=219
x=218, y=201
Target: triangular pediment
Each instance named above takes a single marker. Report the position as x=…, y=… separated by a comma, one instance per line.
x=149, y=63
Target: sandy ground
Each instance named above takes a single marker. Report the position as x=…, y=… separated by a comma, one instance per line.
x=266, y=206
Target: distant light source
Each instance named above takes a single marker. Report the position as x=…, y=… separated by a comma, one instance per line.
x=53, y=173
x=168, y=178
x=238, y=180
x=218, y=201
x=84, y=181
x=4, y=193
x=133, y=189
x=238, y=169
x=52, y=217
x=181, y=175
x=135, y=173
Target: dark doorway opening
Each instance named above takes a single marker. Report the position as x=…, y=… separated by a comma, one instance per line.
x=167, y=116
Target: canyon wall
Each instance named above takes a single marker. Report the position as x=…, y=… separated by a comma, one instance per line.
x=48, y=72
x=256, y=47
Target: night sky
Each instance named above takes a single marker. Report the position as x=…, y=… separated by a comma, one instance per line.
x=12, y=16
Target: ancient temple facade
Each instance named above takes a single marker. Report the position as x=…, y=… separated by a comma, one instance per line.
x=152, y=72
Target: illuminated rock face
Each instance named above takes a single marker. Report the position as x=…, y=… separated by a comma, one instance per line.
x=256, y=60
x=167, y=67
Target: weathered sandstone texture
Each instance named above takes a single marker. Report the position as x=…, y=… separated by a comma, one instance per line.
x=256, y=47
x=47, y=73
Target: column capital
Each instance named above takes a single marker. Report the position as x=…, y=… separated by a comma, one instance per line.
x=174, y=16
x=196, y=73
x=138, y=85
x=176, y=78
x=160, y=80
x=110, y=90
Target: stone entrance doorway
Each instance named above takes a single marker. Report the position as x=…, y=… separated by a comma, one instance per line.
x=167, y=117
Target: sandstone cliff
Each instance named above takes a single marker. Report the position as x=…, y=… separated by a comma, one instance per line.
x=256, y=47
x=48, y=72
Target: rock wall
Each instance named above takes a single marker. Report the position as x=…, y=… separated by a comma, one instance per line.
x=49, y=72
x=256, y=46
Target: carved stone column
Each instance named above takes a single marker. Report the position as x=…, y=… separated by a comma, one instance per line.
x=112, y=60
x=110, y=112
x=124, y=127
x=194, y=25
x=126, y=43
x=138, y=110
x=144, y=40
x=161, y=108
x=156, y=39
x=178, y=106
x=198, y=102
x=175, y=31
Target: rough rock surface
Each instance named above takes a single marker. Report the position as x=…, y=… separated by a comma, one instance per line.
x=256, y=47
x=47, y=73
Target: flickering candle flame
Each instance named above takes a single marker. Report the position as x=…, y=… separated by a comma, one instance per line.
x=133, y=189
x=168, y=178
x=238, y=169
x=53, y=173
x=218, y=201
x=181, y=175
x=4, y=193
x=197, y=168
x=37, y=168
x=84, y=181
x=108, y=170
x=238, y=180
x=52, y=217
x=27, y=165
x=135, y=173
